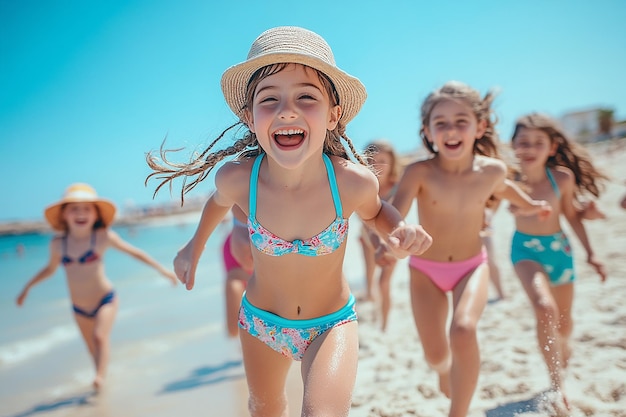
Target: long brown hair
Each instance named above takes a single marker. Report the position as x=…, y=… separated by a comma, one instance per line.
x=568, y=153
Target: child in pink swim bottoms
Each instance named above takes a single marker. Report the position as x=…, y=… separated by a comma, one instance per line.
x=237, y=275
x=452, y=188
x=446, y=275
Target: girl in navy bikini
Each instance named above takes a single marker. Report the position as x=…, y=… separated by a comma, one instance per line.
x=297, y=186
x=83, y=221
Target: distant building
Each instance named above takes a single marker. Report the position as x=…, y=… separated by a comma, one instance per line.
x=589, y=125
x=619, y=129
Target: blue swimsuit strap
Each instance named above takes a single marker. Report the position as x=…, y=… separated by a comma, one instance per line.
x=254, y=175
x=67, y=259
x=555, y=187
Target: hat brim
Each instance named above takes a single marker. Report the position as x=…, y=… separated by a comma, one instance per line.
x=53, y=212
x=352, y=93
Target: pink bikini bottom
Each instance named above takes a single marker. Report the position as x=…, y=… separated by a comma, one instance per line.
x=446, y=275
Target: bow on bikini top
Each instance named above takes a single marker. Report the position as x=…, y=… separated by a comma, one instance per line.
x=89, y=256
x=325, y=242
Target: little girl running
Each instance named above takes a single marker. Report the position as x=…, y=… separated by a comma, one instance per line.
x=452, y=189
x=83, y=220
x=237, y=261
x=297, y=186
x=385, y=161
x=557, y=170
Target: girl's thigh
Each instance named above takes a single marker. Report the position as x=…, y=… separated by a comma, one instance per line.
x=535, y=282
x=430, y=310
x=329, y=370
x=470, y=296
x=266, y=369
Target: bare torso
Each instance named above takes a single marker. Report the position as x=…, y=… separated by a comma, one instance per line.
x=87, y=282
x=540, y=188
x=295, y=286
x=451, y=206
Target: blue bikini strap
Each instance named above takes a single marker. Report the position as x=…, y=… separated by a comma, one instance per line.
x=332, y=179
x=330, y=171
x=555, y=187
x=254, y=179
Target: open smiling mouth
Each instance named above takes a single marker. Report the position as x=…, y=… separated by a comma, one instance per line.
x=452, y=145
x=289, y=138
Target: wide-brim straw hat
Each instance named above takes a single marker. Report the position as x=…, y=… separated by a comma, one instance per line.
x=79, y=193
x=291, y=44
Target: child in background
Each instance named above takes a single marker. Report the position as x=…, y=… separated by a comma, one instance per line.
x=296, y=184
x=487, y=234
x=238, y=267
x=385, y=161
x=452, y=189
x=83, y=220
x=557, y=170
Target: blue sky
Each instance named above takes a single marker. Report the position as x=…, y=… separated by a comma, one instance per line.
x=88, y=87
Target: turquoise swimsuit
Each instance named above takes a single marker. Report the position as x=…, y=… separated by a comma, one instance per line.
x=553, y=252
x=325, y=242
x=292, y=337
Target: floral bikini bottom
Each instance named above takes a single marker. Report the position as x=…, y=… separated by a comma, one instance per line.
x=291, y=337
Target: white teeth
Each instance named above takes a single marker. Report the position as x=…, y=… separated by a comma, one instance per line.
x=290, y=132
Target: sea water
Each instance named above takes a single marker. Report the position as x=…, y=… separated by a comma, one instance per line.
x=44, y=364
x=41, y=351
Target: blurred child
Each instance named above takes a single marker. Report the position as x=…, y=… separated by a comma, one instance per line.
x=452, y=189
x=83, y=220
x=385, y=161
x=487, y=235
x=553, y=168
x=298, y=187
x=238, y=267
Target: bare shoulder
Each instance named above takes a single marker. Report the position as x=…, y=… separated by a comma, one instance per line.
x=233, y=177
x=353, y=178
x=234, y=170
x=495, y=165
x=564, y=177
x=55, y=243
x=352, y=173
x=418, y=168
x=563, y=173
x=108, y=236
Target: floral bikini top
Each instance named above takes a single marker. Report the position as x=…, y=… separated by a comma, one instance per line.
x=325, y=242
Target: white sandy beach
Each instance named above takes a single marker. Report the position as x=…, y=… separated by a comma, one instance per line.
x=197, y=375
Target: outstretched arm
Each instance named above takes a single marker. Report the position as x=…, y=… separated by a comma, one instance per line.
x=186, y=260
x=240, y=240
x=403, y=239
x=118, y=243
x=44, y=273
x=524, y=205
x=388, y=220
x=574, y=218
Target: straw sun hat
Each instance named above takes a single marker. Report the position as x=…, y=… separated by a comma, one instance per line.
x=79, y=193
x=290, y=44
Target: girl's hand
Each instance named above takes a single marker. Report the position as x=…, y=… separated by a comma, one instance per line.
x=407, y=240
x=20, y=298
x=544, y=209
x=184, y=267
x=541, y=208
x=598, y=266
